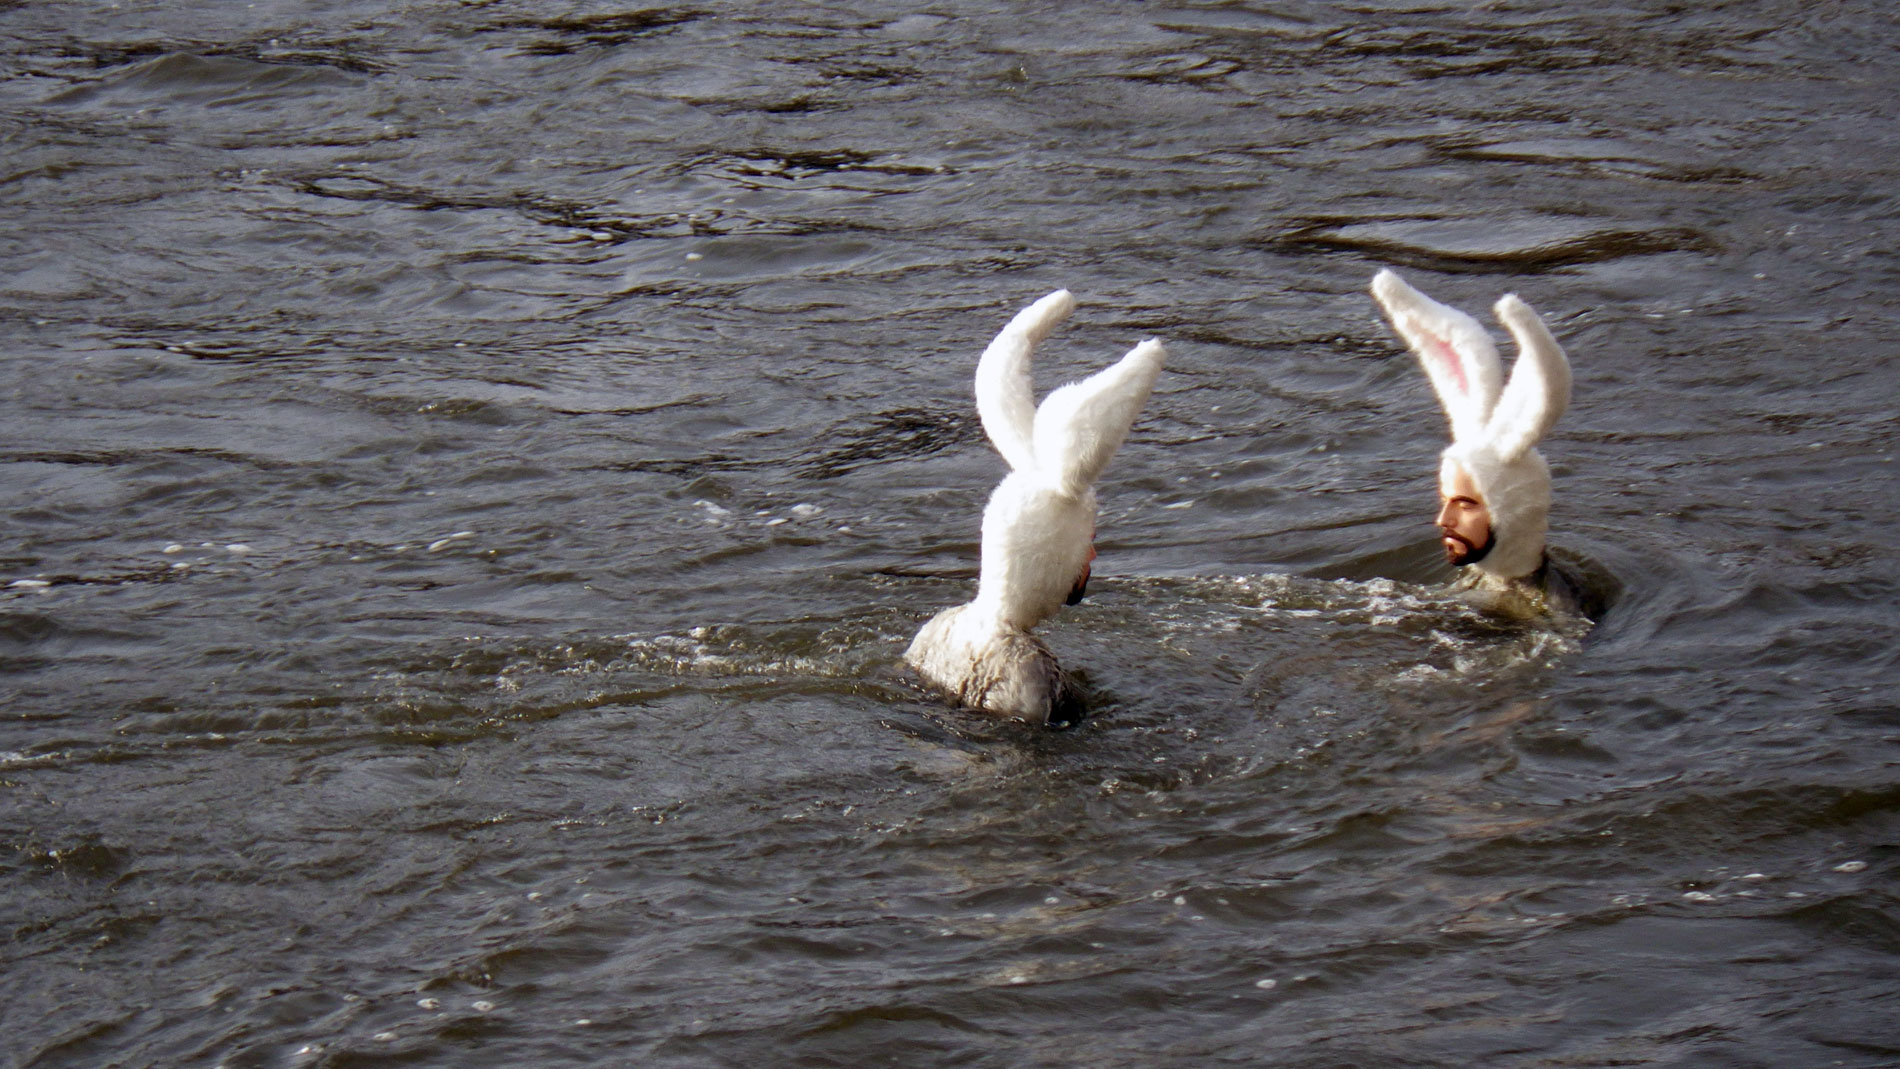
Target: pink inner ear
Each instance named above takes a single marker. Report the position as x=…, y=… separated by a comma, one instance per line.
x=1450, y=357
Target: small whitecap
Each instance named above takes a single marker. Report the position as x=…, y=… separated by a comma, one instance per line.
x=177, y=564
x=1851, y=866
x=1266, y=985
x=29, y=584
x=1180, y=900
x=1697, y=896
x=776, y=522
x=583, y=1021
x=695, y=256
x=1052, y=901
x=173, y=548
x=1019, y=979
x=385, y=1037
x=1180, y=505
x=601, y=235
x=804, y=511
x=429, y=1003
x=237, y=547
x=481, y=1006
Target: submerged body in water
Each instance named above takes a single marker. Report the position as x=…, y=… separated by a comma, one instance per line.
x=1494, y=486
x=1549, y=591
x=1039, y=526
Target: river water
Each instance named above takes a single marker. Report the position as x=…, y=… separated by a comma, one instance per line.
x=471, y=470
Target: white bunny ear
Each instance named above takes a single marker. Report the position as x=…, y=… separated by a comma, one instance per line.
x=1457, y=354
x=1079, y=427
x=1539, y=390
x=1004, y=398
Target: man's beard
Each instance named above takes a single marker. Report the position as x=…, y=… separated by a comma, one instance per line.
x=1469, y=554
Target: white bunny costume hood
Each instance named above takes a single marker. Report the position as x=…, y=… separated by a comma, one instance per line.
x=1039, y=527
x=1495, y=427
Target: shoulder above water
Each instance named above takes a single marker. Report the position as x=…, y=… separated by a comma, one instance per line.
x=1553, y=590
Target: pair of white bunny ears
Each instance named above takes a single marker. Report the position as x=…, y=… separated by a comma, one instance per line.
x=1506, y=419
x=1069, y=440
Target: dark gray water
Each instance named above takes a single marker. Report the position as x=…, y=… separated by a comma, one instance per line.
x=470, y=470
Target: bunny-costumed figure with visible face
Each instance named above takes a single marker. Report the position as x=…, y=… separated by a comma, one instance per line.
x=1039, y=527
x=1495, y=426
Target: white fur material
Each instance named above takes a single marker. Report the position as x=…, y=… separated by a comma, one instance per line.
x=1495, y=426
x=1040, y=523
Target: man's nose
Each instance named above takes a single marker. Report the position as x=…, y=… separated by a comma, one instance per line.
x=1445, y=518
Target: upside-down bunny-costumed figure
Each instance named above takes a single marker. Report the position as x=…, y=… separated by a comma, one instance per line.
x=1493, y=484
x=1039, y=527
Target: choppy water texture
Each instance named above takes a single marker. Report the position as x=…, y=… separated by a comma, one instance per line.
x=470, y=470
